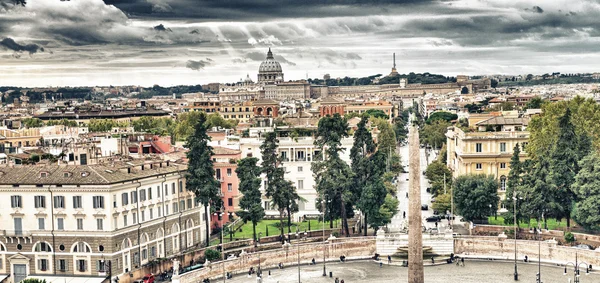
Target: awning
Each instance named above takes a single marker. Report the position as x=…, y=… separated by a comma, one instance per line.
x=57, y=279
x=3, y=276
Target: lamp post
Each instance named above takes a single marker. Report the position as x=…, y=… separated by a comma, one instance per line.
x=298, y=252
x=516, y=275
x=538, y=232
x=323, y=204
x=576, y=266
x=259, y=235
x=220, y=215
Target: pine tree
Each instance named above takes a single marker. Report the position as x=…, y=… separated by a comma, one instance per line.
x=587, y=189
x=333, y=176
x=512, y=183
x=200, y=177
x=539, y=191
x=282, y=193
x=248, y=173
x=564, y=165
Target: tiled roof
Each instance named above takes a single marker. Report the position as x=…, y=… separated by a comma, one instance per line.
x=81, y=174
x=504, y=121
x=217, y=150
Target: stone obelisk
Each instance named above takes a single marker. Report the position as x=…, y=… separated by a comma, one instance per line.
x=415, y=234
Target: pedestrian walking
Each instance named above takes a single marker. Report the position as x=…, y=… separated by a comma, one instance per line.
x=436, y=225
x=404, y=214
x=389, y=259
x=462, y=261
x=380, y=264
x=406, y=194
x=342, y=281
x=336, y=280
x=457, y=261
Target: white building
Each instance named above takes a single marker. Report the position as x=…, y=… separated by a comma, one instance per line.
x=298, y=154
x=94, y=221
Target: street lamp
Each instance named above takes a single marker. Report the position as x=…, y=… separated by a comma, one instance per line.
x=298, y=252
x=576, y=266
x=323, y=204
x=538, y=232
x=259, y=235
x=516, y=275
x=220, y=215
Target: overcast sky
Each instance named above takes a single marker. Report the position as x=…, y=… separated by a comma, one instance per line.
x=171, y=42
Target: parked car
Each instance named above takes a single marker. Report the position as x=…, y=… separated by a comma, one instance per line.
x=434, y=231
x=149, y=278
x=583, y=247
x=433, y=218
x=424, y=207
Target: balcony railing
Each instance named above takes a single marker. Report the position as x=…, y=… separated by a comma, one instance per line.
x=15, y=233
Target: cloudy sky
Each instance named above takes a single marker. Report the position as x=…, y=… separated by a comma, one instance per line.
x=171, y=42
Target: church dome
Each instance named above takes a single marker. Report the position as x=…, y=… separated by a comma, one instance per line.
x=269, y=65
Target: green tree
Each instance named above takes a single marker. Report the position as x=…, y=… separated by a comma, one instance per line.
x=434, y=134
x=587, y=190
x=212, y=255
x=186, y=122
x=564, y=164
x=513, y=181
x=248, y=172
x=333, y=176
x=441, y=115
x=215, y=120
x=535, y=103
x=443, y=202
x=475, y=196
x=386, y=137
x=529, y=77
x=281, y=192
x=435, y=173
x=539, y=191
x=544, y=129
x=32, y=123
x=386, y=212
x=376, y=113
x=200, y=177
x=494, y=83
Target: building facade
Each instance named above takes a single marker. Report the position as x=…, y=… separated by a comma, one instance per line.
x=297, y=155
x=94, y=221
x=487, y=149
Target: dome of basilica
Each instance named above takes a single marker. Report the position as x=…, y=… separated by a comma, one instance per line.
x=270, y=65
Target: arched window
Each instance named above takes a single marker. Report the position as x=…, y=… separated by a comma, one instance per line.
x=2, y=247
x=175, y=238
x=81, y=247
x=503, y=183
x=126, y=243
x=40, y=247
x=189, y=237
x=160, y=242
x=143, y=241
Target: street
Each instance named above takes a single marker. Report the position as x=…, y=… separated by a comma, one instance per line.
x=399, y=222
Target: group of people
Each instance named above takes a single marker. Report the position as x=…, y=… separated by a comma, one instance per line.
x=338, y=280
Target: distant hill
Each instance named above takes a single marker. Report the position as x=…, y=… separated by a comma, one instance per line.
x=413, y=78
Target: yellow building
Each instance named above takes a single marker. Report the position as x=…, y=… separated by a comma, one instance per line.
x=241, y=111
x=487, y=147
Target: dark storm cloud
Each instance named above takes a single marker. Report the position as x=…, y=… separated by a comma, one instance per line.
x=257, y=9
x=198, y=65
x=10, y=44
x=258, y=56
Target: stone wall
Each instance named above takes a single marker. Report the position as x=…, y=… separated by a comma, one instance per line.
x=350, y=247
x=505, y=248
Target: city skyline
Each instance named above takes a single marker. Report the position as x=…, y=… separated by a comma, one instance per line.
x=173, y=42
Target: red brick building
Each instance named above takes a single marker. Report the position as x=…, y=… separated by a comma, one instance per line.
x=330, y=106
